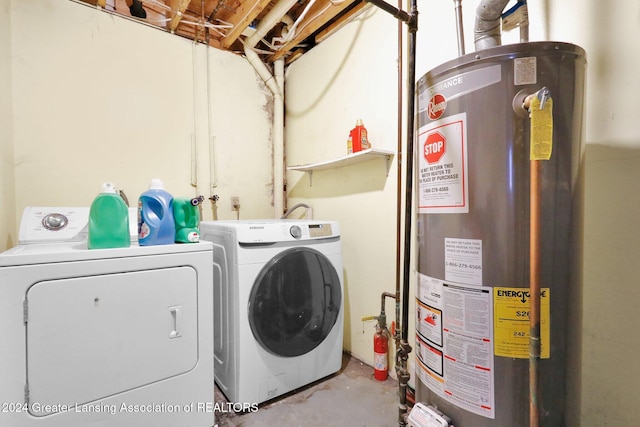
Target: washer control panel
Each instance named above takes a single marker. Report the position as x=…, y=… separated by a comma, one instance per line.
x=296, y=232
x=320, y=230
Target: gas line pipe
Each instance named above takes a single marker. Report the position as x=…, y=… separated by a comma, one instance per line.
x=403, y=348
x=539, y=106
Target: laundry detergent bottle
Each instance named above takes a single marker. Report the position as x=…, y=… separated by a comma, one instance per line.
x=108, y=220
x=155, y=216
x=186, y=213
x=359, y=137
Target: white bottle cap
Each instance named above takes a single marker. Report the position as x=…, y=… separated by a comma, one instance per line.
x=108, y=187
x=156, y=184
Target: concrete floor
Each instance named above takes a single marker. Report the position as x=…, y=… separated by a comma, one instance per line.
x=351, y=397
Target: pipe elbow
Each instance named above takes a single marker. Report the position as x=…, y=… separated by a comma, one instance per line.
x=484, y=39
x=487, y=27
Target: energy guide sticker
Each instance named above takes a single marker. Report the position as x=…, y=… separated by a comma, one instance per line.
x=511, y=308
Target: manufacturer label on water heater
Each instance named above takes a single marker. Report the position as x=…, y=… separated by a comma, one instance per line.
x=442, y=140
x=525, y=71
x=434, y=99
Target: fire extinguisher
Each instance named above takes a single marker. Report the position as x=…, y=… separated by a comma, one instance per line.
x=380, y=354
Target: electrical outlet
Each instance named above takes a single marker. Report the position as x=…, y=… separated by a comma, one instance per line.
x=235, y=203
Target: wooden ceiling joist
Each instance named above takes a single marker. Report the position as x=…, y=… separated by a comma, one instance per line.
x=177, y=9
x=245, y=15
x=318, y=15
x=221, y=23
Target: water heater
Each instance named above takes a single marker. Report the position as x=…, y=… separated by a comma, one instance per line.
x=474, y=190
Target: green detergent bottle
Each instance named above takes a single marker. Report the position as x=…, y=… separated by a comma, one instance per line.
x=187, y=218
x=108, y=220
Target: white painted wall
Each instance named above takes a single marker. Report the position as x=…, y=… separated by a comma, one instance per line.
x=8, y=235
x=352, y=75
x=103, y=98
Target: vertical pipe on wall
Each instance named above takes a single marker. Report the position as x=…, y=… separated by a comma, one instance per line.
x=403, y=348
x=276, y=86
x=534, y=291
x=278, y=132
x=213, y=177
x=278, y=140
x=411, y=100
x=459, y=26
x=400, y=160
x=194, y=140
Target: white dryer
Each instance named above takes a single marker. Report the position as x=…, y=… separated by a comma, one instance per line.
x=109, y=338
x=278, y=304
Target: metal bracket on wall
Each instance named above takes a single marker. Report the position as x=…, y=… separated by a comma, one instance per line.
x=358, y=157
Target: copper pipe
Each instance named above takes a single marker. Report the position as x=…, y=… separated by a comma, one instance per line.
x=534, y=291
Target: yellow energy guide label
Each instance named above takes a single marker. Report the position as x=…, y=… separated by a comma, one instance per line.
x=511, y=309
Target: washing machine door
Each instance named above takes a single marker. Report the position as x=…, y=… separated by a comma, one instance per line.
x=294, y=302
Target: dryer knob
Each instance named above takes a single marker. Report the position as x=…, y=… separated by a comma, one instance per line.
x=295, y=231
x=54, y=221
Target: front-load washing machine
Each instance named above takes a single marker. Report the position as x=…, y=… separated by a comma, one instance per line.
x=278, y=302
x=109, y=337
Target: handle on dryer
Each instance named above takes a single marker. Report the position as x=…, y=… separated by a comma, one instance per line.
x=176, y=321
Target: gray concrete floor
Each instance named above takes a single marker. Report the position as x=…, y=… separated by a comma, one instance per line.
x=351, y=397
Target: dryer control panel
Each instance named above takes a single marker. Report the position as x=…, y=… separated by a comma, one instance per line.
x=53, y=224
x=61, y=224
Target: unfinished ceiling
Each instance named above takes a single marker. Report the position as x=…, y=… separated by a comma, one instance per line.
x=224, y=24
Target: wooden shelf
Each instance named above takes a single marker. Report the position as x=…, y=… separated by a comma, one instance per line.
x=350, y=159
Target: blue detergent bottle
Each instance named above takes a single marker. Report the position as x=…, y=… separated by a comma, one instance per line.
x=155, y=216
x=108, y=220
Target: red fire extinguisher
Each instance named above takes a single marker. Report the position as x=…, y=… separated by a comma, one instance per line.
x=380, y=354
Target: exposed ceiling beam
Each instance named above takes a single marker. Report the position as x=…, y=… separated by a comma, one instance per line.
x=318, y=15
x=227, y=20
x=339, y=23
x=246, y=13
x=101, y=3
x=177, y=8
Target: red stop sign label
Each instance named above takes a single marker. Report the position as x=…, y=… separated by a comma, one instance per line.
x=434, y=147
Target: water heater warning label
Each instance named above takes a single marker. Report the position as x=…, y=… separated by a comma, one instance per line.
x=511, y=323
x=442, y=175
x=463, y=260
x=454, y=343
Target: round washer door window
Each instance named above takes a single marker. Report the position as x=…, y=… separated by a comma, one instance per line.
x=294, y=302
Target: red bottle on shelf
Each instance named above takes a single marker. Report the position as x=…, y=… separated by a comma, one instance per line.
x=359, y=138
